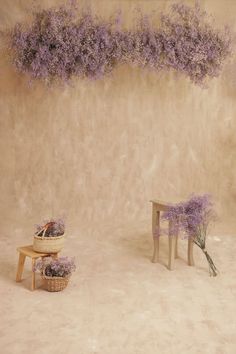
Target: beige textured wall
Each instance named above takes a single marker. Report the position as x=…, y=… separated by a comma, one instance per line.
x=98, y=151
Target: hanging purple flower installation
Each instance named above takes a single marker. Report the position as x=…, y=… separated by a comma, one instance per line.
x=58, y=45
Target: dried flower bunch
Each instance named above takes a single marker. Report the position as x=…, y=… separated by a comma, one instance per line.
x=191, y=44
x=148, y=47
x=58, y=45
x=59, y=267
x=51, y=228
x=192, y=218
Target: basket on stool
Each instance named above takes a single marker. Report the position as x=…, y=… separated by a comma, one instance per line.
x=47, y=244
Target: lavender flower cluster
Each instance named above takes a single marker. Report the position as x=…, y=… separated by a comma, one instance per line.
x=60, y=267
x=58, y=45
x=51, y=228
x=192, y=216
x=191, y=45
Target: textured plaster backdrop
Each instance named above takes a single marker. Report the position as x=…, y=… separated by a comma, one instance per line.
x=96, y=152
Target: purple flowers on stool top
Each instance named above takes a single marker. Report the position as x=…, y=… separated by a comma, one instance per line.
x=192, y=218
x=191, y=214
x=56, y=267
x=59, y=45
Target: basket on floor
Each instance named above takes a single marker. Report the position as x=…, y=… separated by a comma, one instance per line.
x=55, y=283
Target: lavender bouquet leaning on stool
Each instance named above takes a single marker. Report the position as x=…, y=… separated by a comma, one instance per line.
x=192, y=218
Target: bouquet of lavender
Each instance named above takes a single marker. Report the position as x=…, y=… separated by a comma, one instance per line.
x=51, y=228
x=59, y=267
x=193, y=217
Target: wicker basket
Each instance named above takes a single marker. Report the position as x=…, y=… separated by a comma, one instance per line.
x=55, y=283
x=48, y=245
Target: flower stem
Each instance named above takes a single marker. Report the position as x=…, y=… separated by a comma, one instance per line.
x=212, y=268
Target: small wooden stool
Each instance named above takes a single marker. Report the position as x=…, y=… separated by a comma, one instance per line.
x=27, y=251
x=158, y=207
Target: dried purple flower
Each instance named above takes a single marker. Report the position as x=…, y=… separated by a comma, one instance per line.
x=51, y=228
x=192, y=45
x=59, y=46
x=59, y=267
x=148, y=49
x=192, y=218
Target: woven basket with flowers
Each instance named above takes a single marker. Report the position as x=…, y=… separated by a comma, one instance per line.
x=55, y=272
x=49, y=237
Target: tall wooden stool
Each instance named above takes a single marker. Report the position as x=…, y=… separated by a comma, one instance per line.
x=27, y=251
x=158, y=207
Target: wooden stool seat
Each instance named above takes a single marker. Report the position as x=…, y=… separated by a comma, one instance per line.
x=158, y=207
x=27, y=251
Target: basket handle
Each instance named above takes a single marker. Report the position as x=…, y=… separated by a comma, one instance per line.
x=50, y=223
x=44, y=231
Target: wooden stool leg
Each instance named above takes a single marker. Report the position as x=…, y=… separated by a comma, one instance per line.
x=20, y=267
x=176, y=246
x=33, y=275
x=172, y=244
x=190, y=252
x=155, y=257
x=155, y=228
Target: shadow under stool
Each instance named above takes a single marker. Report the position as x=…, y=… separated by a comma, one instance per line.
x=27, y=251
x=158, y=207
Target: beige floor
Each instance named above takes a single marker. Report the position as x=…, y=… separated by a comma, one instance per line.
x=118, y=302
